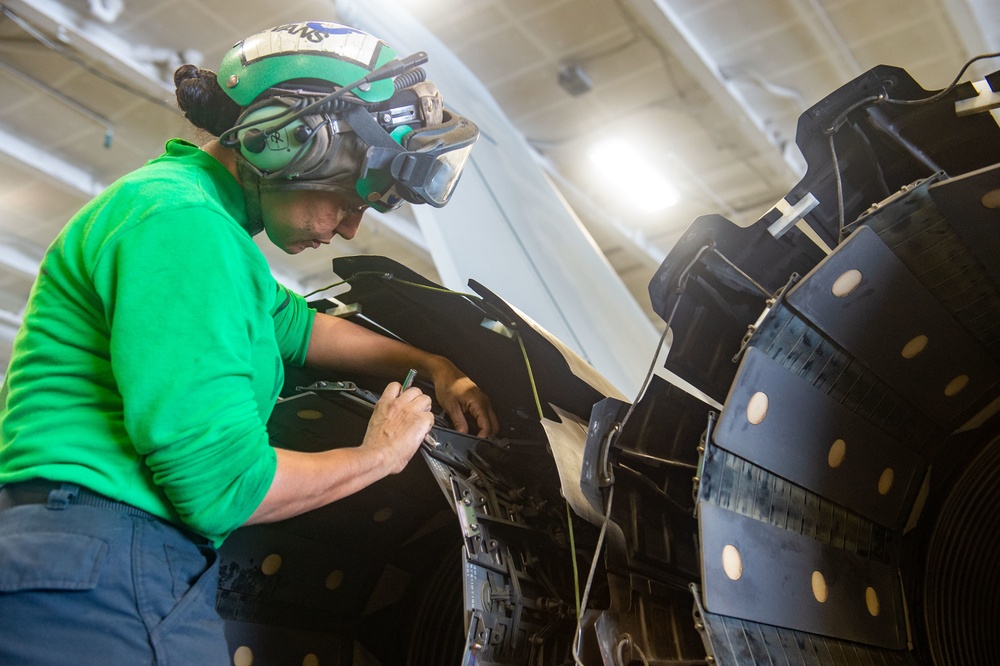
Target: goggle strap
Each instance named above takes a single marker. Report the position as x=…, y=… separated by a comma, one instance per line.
x=369, y=130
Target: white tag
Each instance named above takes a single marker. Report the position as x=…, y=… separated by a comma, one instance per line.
x=321, y=38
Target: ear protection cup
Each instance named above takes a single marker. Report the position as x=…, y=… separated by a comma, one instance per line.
x=272, y=146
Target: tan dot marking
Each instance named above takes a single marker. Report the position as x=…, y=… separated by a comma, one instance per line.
x=885, y=481
x=271, y=564
x=914, y=346
x=838, y=450
x=732, y=563
x=956, y=385
x=309, y=414
x=757, y=408
x=846, y=283
x=243, y=656
x=992, y=199
x=871, y=598
x=334, y=580
x=820, y=590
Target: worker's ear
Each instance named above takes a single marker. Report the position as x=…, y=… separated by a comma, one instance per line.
x=277, y=143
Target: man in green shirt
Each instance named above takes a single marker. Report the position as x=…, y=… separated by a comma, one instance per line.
x=133, y=414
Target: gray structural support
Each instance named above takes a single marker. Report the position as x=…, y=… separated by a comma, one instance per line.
x=509, y=229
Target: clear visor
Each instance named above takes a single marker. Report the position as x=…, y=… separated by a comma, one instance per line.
x=443, y=176
x=434, y=160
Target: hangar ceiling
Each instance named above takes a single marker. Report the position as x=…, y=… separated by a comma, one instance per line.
x=707, y=92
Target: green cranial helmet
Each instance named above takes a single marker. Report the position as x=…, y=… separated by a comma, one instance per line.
x=314, y=52
x=329, y=107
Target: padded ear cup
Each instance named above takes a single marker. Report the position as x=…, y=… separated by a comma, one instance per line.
x=269, y=144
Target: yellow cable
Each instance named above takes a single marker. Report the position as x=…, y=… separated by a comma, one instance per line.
x=569, y=514
x=572, y=548
x=531, y=376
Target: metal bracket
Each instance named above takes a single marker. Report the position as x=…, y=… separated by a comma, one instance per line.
x=329, y=386
x=986, y=100
x=791, y=214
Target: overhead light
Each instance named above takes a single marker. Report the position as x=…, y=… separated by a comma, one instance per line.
x=633, y=177
x=574, y=80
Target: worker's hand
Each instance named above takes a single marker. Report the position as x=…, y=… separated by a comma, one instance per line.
x=459, y=396
x=398, y=425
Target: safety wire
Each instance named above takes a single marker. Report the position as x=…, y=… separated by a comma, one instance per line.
x=572, y=555
x=883, y=97
x=531, y=375
x=742, y=273
x=329, y=286
x=590, y=578
x=682, y=279
x=831, y=132
x=626, y=639
x=569, y=513
x=393, y=278
x=681, y=285
x=951, y=86
x=840, y=190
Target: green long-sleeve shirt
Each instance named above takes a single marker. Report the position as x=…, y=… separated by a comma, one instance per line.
x=151, y=350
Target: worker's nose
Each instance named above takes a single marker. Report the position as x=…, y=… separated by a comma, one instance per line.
x=348, y=227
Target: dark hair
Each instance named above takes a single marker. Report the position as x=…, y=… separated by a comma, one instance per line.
x=203, y=101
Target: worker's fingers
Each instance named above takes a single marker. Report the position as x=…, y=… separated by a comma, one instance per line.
x=485, y=418
x=457, y=416
x=411, y=395
x=398, y=425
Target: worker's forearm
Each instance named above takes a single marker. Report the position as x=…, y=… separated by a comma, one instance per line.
x=307, y=481
x=339, y=344
x=342, y=345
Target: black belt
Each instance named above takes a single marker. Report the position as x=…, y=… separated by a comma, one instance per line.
x=59, y=495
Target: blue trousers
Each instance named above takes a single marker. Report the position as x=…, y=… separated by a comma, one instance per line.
x=92, y=586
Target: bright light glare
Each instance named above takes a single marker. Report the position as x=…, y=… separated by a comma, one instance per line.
x=632, y=177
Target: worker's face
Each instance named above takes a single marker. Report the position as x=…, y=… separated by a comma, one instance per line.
x=298, y=219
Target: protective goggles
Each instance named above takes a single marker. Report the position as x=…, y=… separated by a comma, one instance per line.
x=423, y=167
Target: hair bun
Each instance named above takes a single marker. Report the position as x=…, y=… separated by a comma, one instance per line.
x=185, y=72
x=203, y=102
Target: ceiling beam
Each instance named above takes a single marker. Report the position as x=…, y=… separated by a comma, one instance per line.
x=9, y=324
x=20, y=255
x=49, y=165
x=86, y=37
x=672, y=34
x=822, y=26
